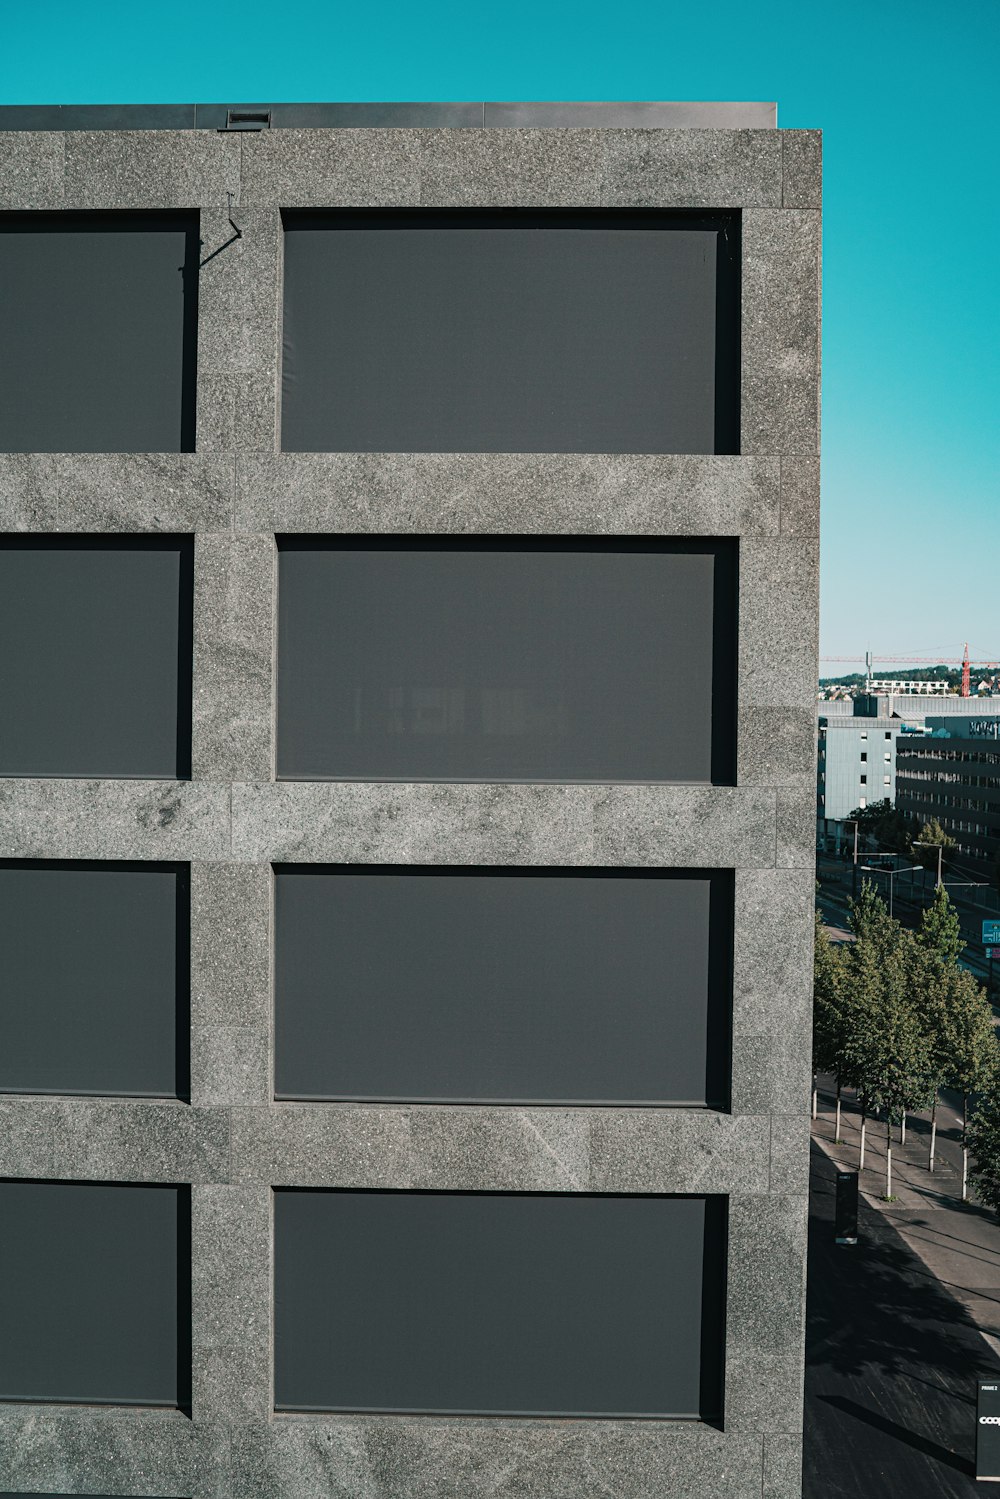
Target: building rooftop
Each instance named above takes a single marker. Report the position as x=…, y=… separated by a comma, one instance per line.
x=649, y=115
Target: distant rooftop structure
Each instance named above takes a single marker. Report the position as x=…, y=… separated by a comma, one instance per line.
x=608, y=114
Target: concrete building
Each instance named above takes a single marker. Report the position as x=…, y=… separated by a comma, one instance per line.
x=408, y=649
x=915, y=708
x=856, y=763
x=953, y=774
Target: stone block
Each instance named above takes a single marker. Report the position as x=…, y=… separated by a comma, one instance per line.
x=508, y=494
x=777, y=746
x=29, y=494
x=126, y=492
x=233, y=650
x=802, y=168
x=31, y=169
x=691, y=168
x=500, y=1149
x=151, y=168
x=684, y=827
x=678, y=1150
x=780, y=294
x=796, y=828
x=230, y=945
x=780, y=414
x=800, y=497
x=322, y=1145
x=113, y=820
x=510, y=168
x=779, y=633
x=331, y=169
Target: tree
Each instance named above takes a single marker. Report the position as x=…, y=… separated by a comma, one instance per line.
x=984, y=1143
x=940, y=937
x=940, y=929
x=828, y=1010
x=890, y=828
x=968, y=1044
x=887, y=1051
x=934, y=835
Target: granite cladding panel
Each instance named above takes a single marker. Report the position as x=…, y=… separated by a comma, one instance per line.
x=232, y=1142
x=642, y=826
x=380, y=1457
x=116, y=492
x=31, y=169
x=150, y=168
x=233, y=652
x=507, y=494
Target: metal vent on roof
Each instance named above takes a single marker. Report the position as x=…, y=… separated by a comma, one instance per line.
x=248, y=119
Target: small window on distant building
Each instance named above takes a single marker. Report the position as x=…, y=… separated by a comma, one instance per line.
x=864, y=780
x=888, y=733
x=863, y=802
x=887, y=780
x=864, y=734
x=864, y=758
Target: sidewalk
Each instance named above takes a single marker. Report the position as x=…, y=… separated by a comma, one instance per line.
x=958, y=1242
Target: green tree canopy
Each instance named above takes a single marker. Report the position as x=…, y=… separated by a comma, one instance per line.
x=984, y=1143
x=829, y=998
x=940, y=929
x=890, y=828
x=888, y=1054
x=933, y=834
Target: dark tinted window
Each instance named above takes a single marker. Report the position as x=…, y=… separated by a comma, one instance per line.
x=94, y=1293
x=95, y=656
x=502, y=986
x=98, y=326
x=517, y=331
x=95, y=978
x=518, y=1304
x=508, y=660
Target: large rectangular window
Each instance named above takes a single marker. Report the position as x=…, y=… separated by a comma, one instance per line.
x=99, y=331
x=511, y=331
x=503, y=986
x=499, y=1303
x=506, y=660
x=95, y=656
x=95, y=982
x=95, y=1293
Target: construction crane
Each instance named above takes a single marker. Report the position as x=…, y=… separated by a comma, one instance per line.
x=965, y=664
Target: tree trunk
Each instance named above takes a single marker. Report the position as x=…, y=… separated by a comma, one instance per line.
x=861, y=1152
x=836, y=1127
x=965, y=1147
x=888, y=1156
x=930, y=1158
x=902, y=1129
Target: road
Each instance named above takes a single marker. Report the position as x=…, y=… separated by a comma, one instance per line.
x=891, y=1364
x=834, y=894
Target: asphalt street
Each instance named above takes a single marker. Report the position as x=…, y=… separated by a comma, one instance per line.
x=891, y=1364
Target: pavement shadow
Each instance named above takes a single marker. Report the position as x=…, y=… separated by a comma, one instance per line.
x=891, y=1364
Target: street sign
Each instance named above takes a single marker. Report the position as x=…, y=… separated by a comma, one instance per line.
x=991, y=933
x=988, y=1430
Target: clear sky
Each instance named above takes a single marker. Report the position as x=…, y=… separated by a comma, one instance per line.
x=905, y=92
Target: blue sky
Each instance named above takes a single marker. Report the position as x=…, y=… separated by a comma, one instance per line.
x=904, y=91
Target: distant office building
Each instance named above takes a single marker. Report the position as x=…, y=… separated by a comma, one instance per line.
x=915, y=708
x=856, y=764
x=953, y=774
x=900, y=687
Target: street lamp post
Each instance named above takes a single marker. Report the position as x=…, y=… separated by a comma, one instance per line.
x=940, y=854
x=853, y=822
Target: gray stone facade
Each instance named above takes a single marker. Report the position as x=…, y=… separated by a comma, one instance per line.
x=232, y=1143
